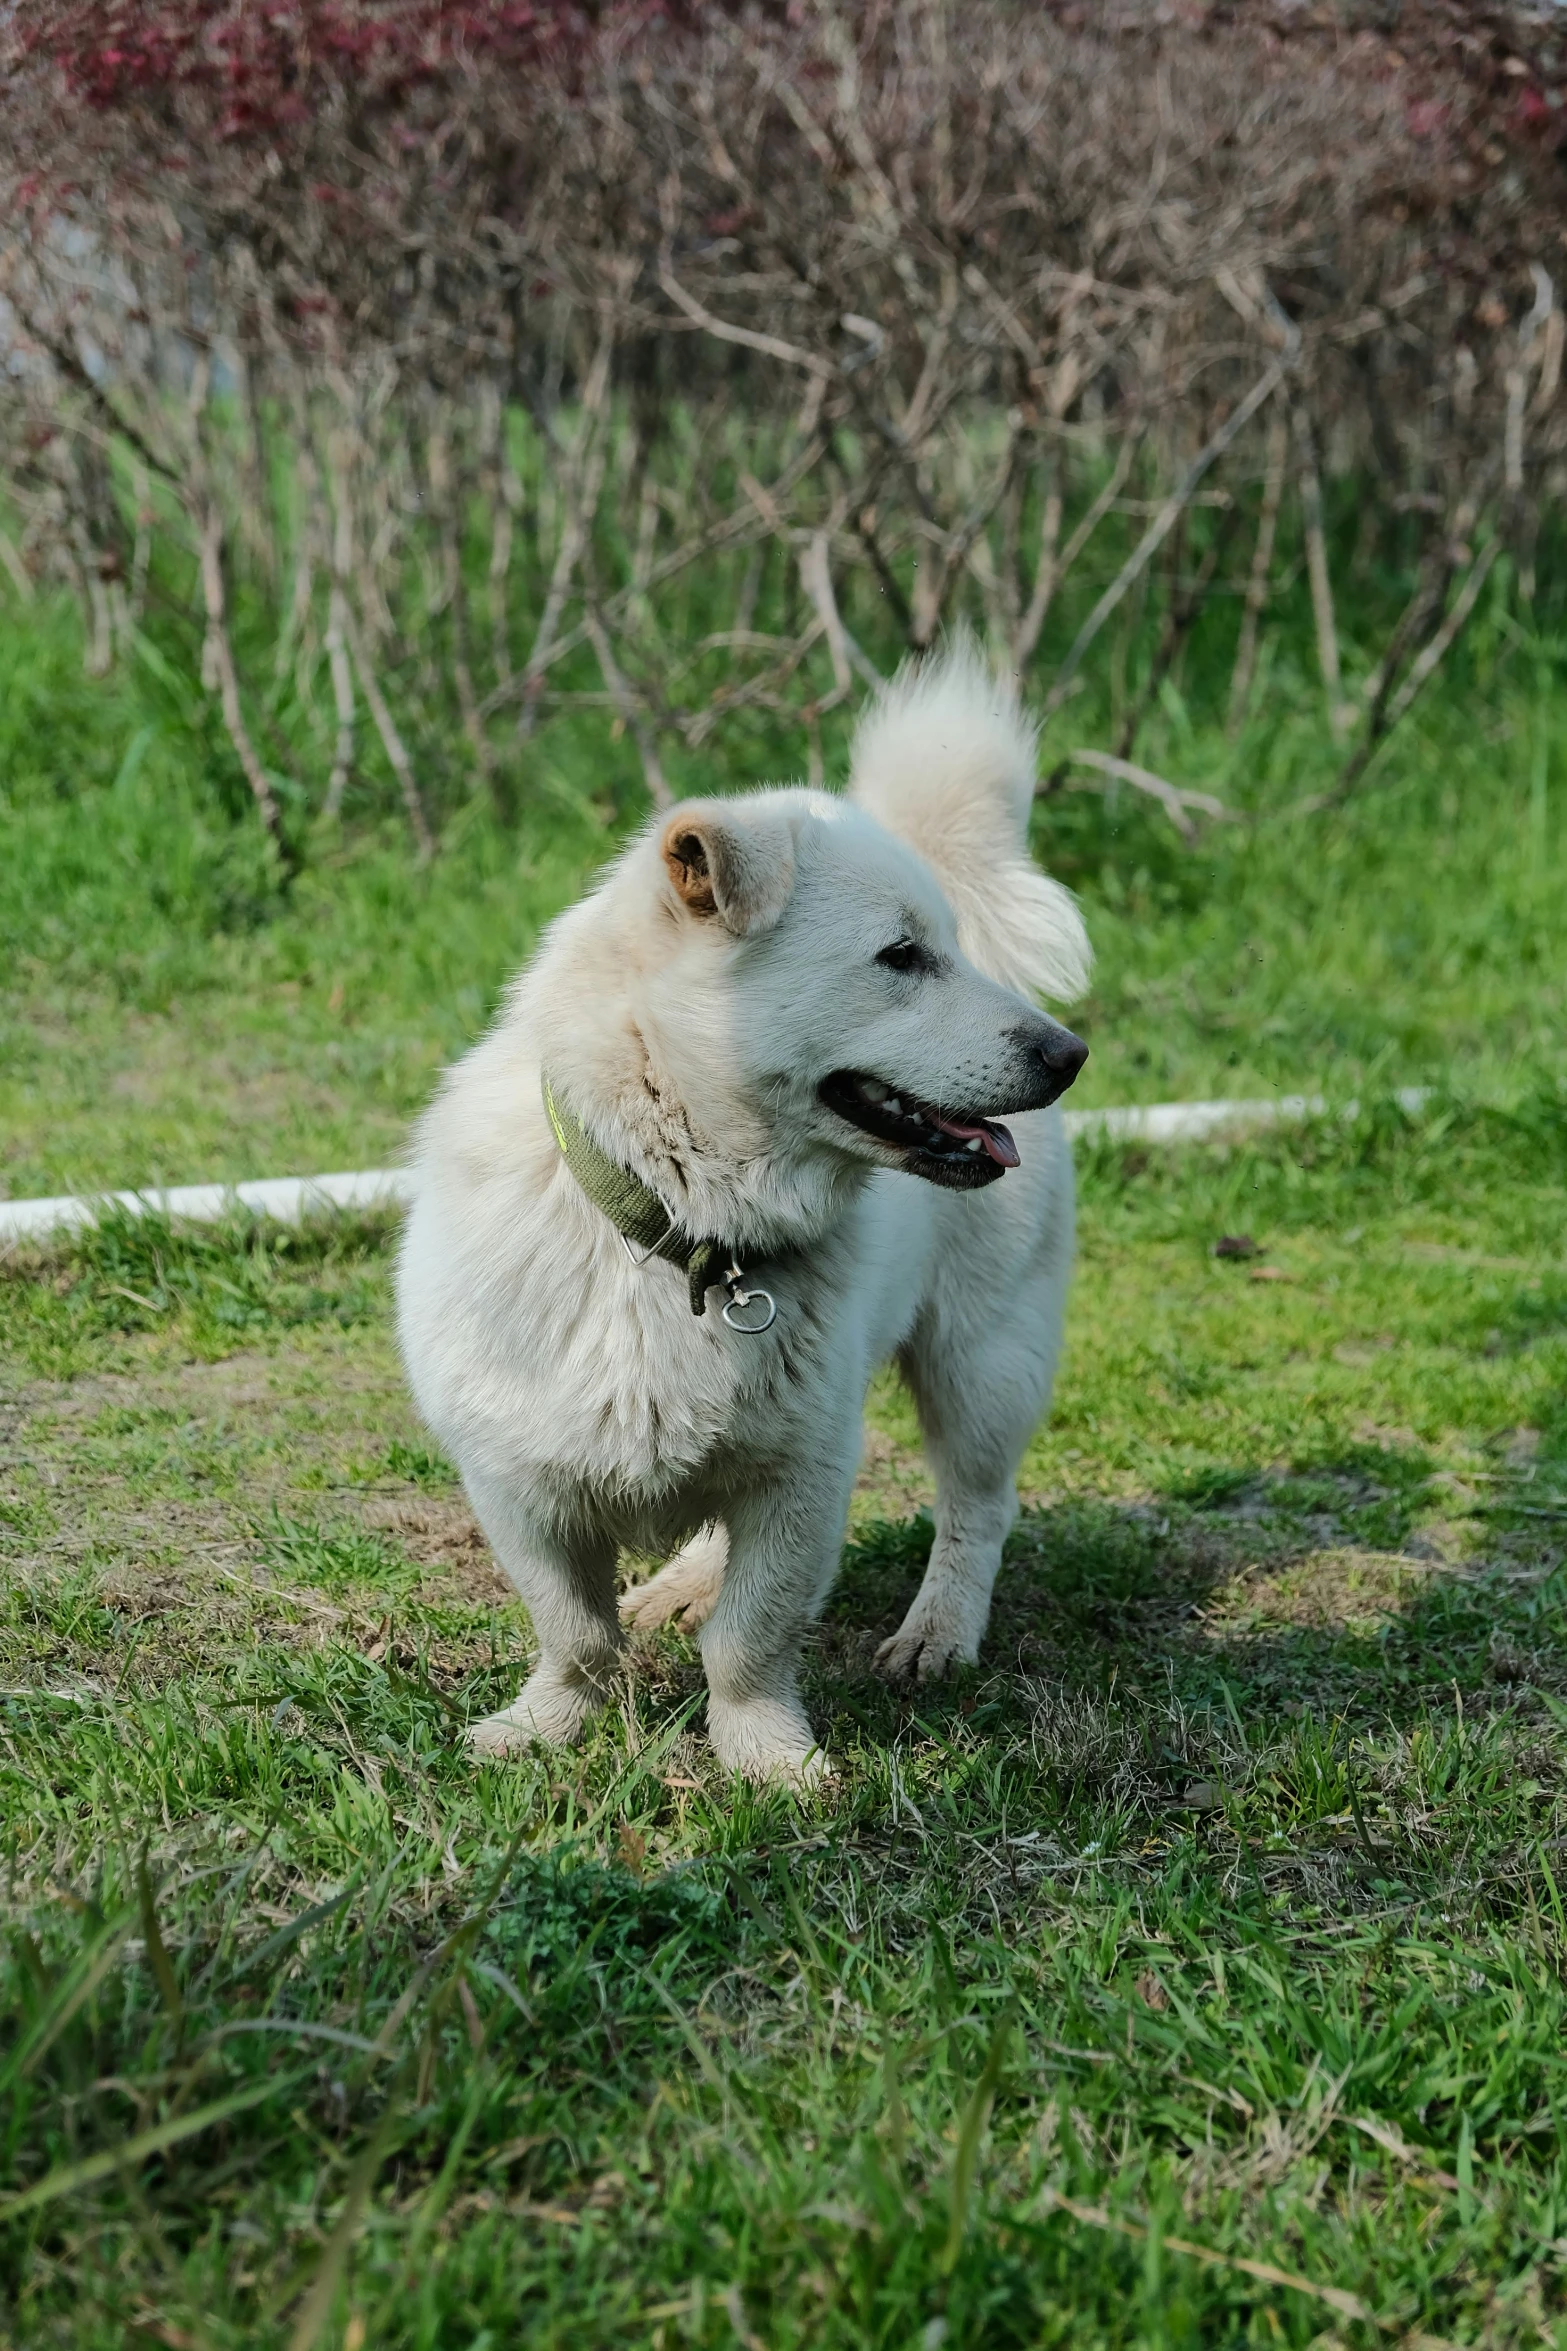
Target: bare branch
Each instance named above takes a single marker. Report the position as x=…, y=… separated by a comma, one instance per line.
x=772, y=346
x=228, y=681
x=1261, y=566
x=1175, y=799
x=1158, y=530
x=629, y=710
x=10, y=559
x=816, y=579
x=1421, y=670
x=1317, y=570
x=582, y=476
x=386, y=727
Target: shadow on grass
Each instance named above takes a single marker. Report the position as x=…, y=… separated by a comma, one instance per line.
x=1312, y=1593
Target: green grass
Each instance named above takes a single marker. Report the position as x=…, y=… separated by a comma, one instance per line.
x=1222, y=1907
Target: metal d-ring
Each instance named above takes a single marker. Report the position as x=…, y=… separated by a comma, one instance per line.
x=743, y=1298
x=648, y=1254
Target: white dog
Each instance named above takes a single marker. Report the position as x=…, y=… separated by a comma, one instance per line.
x=772, y=1015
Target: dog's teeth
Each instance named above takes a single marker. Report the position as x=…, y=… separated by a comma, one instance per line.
x=974, y=1144
x=893, y=1105
x=872, y=1090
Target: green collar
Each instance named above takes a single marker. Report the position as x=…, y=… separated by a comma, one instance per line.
x=633, y=1207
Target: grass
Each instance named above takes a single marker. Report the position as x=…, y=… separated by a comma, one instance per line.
x=1191, y=1973
x=1215, y=1921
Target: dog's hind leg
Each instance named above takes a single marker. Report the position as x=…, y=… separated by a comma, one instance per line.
x=686, y=1589
x=980, y=1394
x=570, y=1593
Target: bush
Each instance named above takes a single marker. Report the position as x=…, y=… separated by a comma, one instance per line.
x=684, y=365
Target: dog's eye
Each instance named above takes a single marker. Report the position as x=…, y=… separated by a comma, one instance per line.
x=904, y=955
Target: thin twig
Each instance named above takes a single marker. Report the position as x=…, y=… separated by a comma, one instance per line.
x=583, y=474
x=1182, y=612
x=506, y=493
x=816, y=579
x=338, y=663
x=1261, y=566
x=629, y=709
x=736, y=529
x=1430, y=659
x=954, y=551
x=1318, y=573
x=222, y=657
x=1518, y=375
x=1421, y=670
x=113, y=422
x=445, y=499
x=771, y=346
x=10, y=559
x=386, y=728
x=1174, y=799
x=1159, y=529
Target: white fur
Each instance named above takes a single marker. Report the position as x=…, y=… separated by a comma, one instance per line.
x=946, y=757
x=585, y=1404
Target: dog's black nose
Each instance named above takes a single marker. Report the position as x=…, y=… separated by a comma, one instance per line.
x=1056, y=1054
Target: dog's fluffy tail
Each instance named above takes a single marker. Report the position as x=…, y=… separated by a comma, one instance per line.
x=945, y=758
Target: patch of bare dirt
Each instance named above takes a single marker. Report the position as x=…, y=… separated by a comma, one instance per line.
x=445, y=1538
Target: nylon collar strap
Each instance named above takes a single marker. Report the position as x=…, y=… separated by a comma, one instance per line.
x=633, y=1207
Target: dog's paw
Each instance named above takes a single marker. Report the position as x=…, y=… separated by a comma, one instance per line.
x=550, y=1710
x=922, y=1651
x=685, y=1592
x=500, y=1734
x=767, y=1741
x=668, y=1598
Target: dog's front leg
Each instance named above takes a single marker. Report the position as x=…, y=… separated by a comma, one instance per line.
x=569, y=1587
x=784, y=1543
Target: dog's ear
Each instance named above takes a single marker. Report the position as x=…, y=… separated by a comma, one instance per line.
x=729, y=863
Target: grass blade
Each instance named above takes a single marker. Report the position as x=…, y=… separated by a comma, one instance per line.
x=70, y=2176
x=296, y=1927
x=157, y=1950
x=975, y=2118
x=1267, y=2273
x=316, y=2308
x=69, y=1997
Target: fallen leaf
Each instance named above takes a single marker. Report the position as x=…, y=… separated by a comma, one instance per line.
x=631, y=1846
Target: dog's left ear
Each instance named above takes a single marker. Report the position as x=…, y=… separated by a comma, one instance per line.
x=729, y=863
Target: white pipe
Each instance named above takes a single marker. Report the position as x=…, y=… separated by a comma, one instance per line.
x=1191, y=1122
x=289, y=1199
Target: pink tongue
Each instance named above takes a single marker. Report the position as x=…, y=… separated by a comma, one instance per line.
x=996, y=1140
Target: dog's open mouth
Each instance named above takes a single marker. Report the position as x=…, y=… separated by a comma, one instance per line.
x=962, y=1152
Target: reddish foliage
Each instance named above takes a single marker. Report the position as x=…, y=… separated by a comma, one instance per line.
x=264, y=60
x=246, y=68
x=1491, y=72
x=876, y=235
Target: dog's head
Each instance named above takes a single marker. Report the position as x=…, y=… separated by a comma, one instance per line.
x=812, y=1000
